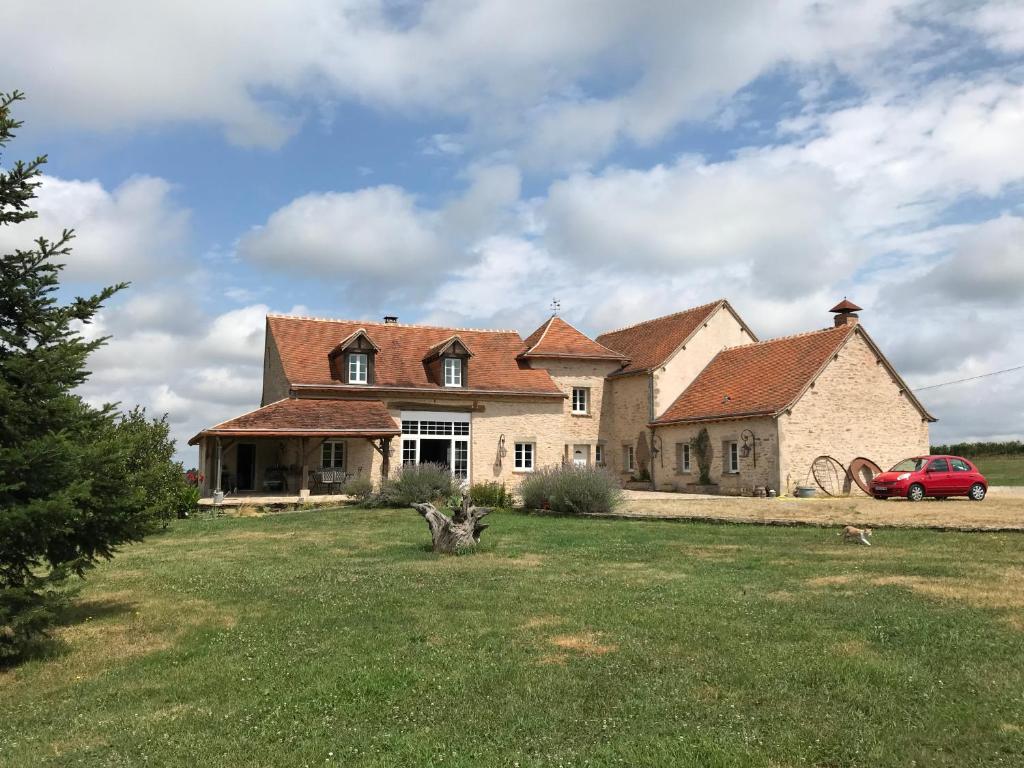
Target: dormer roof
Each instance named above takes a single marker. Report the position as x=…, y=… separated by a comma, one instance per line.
x=453, y=345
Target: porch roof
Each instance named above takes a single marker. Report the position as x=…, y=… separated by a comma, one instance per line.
x=309, y=417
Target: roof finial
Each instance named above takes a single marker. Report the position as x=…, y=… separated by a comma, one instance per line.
x=556, y=305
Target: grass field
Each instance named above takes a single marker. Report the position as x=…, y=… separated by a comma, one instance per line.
x=1001, y=470
x=337, y=638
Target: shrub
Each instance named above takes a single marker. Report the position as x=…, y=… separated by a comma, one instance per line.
x=360, y=486
x=490, y=494
x=416, y=483
x=701, y=447
x=571, y=489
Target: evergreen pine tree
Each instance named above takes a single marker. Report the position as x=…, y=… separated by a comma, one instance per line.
x=64, y=473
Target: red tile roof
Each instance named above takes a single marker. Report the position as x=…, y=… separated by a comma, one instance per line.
x=557, y=338
x=757, y=379
x=304, y=344
x=309, y=417
x=651, y=343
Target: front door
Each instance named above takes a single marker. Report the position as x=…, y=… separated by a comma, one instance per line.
x=245, y=474
x=581, y=455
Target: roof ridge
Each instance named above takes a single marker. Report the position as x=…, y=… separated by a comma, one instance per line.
x=662, y=317
x=286, y=316
x=764, y=342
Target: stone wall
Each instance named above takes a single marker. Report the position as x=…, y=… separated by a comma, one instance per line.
x=855, y=408
x=581, y=429
x=275, y=384
x=624, y=419
x=766, y=443
x=535, y=420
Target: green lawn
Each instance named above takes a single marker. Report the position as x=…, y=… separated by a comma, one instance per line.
x=324, y=638
x=1001, y=470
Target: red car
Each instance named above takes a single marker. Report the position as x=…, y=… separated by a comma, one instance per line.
x=937, y=476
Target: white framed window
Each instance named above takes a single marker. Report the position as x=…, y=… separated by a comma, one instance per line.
x=332, y=454
x=580, y=399
x=358, y=367
x=452, y=372
x=682, y=458
x=409, y=452
x=599, y=454
x=732, y=455
x=628, y=458
x=524, y=457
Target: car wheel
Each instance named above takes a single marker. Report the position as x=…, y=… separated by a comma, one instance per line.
x=977, y=492
x=915, y=492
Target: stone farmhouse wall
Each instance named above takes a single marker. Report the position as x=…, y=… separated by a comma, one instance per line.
x=766, y=440
x=855, y=408
x=275, y=383
x=624, y=421
x=582, y=429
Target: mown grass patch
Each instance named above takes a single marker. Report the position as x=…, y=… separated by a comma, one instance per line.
x=336, y=637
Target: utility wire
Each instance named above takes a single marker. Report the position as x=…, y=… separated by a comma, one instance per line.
x=970, y=378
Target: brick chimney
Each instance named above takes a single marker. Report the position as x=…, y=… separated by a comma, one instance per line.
x=390, y=319
x=845, y=313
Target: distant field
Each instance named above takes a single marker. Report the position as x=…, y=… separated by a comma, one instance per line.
x=1001, y=470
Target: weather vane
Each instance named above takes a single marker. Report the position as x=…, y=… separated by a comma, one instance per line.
x=556, y=305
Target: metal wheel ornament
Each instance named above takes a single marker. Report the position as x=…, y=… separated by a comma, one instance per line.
x=831, y=476
x=863, y=471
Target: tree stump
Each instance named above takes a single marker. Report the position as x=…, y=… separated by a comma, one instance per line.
x=460, y=531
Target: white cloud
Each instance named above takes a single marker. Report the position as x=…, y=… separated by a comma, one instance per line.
x=369, y=235
x=778, y=226
x=513, y=70
x=127, y=233
x=1003, y=24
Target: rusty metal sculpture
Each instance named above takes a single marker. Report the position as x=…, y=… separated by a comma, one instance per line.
x=831, y=476
x=863, y=471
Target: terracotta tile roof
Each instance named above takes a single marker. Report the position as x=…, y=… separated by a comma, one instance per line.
x=304, y=344
x=557, y=338
x=756, y=379
x=317, y=417
x=651, y=343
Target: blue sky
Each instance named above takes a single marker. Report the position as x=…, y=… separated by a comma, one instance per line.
x=463, y=163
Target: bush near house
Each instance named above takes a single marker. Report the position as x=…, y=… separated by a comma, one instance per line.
x=416, y=483
x=571, y=489
x=490, y=494
x=359, y=487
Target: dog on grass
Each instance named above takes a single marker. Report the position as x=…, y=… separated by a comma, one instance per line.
x=853, y=535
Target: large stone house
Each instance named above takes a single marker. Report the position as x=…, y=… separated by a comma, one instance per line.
x=345, y=398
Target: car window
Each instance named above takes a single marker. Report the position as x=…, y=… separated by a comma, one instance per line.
x=908, y=465
x=959, y=465
x=939, y=465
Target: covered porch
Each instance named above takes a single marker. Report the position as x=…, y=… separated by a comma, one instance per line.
x=293, y=449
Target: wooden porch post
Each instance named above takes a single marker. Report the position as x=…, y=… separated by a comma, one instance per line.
x=385, y=456
x=220, y=456
x=304, y=483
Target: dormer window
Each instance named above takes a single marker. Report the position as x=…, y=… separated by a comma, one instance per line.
x=352, y=361
x=447, y=363
x=358, y=367
x=453, y=372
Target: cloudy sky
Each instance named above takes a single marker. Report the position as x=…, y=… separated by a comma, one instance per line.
x=465, y=162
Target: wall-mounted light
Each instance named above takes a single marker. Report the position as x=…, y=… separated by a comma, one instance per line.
x=749, y=448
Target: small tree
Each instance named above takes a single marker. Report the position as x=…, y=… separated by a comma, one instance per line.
x=72, y=483
x=701, y=447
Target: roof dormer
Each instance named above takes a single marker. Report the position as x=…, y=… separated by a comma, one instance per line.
x=447, y=362
x=353, y=360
